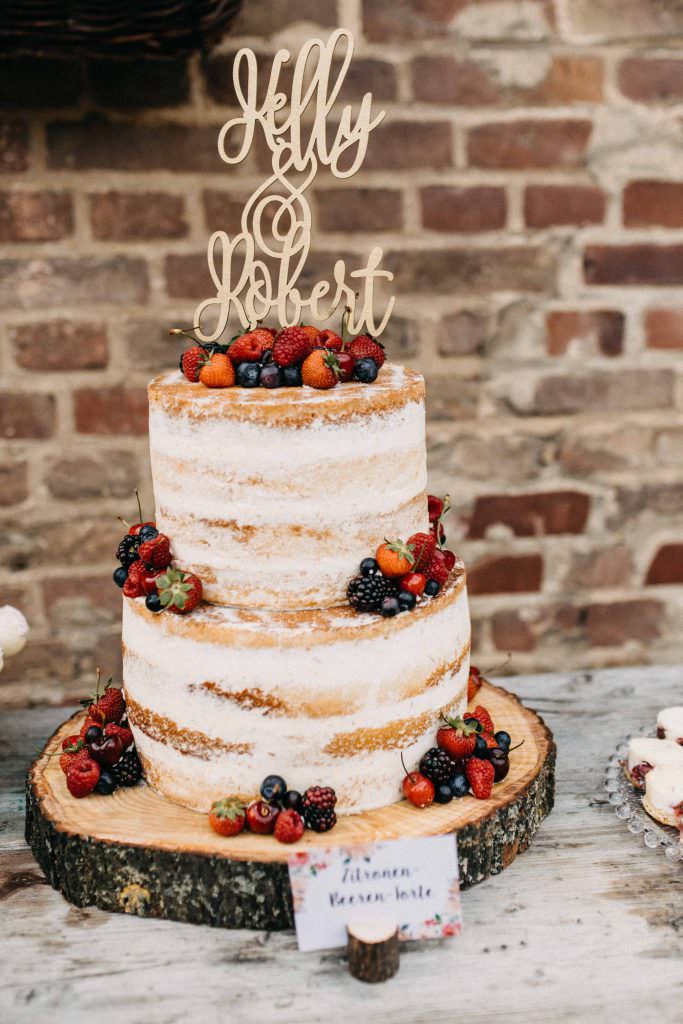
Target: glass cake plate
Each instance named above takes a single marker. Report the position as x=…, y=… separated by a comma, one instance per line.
x=628, y=807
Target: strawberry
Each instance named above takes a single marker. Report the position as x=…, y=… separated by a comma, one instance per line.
x=331, y=340
x=320, y=369
x=423, y=546
x=227, y=816
x=435, y=507
x=133, y=587
x=72, y=748
x=110, y=706
x=93, y=717
x=480, y=775
x=191, y=362
x=394, y=558
x=289, y=827
x=179, y=591
x=218, y=372
x=457, y=738
x=249, y=347
x=365, y=347
x=473, y=683
x=489, y=739
x=156, y=553
x=292, y=346
x=437, y=570
x=82, y=776
x=122, y=731
x=483, y=717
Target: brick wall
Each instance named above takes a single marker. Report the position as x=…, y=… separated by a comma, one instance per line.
x=527, y=187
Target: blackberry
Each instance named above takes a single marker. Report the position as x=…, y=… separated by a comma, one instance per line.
x=127, y=771
x=437, y=766
x=127, y=551
x=366, y=593
x=317, y=807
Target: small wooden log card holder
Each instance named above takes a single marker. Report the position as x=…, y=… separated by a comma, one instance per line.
x=138, y=853
x=373, y=950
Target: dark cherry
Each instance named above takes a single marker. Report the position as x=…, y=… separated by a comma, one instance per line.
x=106, y=750
x=271, y=376
x=267, y=357
x=261, y=816
x=501, y=763
x=291, y=801
x=92, y=734
x=347, y=365
x=503, y=739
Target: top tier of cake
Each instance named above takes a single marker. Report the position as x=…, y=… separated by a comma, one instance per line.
x=273, y=497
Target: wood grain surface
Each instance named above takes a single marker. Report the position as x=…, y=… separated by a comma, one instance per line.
x=587, y=925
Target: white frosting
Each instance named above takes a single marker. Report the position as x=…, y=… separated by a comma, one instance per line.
x=13, y=631
x=664, y=789
x=670, y=720
x=647, y=750
x=364, y=672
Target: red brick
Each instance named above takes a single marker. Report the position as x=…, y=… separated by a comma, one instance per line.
x=620, y=622
x=264, y=19
x=26, y=415
x=620, y=446
x=664, y=328
x=523, y=268
x=605, y=19
x=652, y=80
x=527, y=143
x=609, y=567
x=640, y=264
x=453, y=399
x=69, y=600
x=464, y=334
x=13, y=482
x=463, y=83
x=505, y=574
x=510, y=632
x=479, y=208
x=667, y=565
x=653, y=204
x=44, y=668
x=114, y=410
x=595, y=330
x=407, y=20
x=223, y=211
x=529, y=515
x=646, y=501
x=117, y=216
x=549, y=205
x=60, y=345
x=35, y=216
x=30, y=82
x=131, y=83
x=73, y=281
x=187, y=276
x=570, y=79
x=403, y=145
x=613, y=391
x=75, y=541
x=149, y=345
x=98, y=144
x=359, y=209
x=109, y=474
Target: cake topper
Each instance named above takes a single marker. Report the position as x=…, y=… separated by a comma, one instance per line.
x=256, y=272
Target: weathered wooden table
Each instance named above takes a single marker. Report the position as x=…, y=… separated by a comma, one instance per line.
x=586, y=925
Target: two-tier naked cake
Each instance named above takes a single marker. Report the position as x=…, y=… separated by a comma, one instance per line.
x=272, y=497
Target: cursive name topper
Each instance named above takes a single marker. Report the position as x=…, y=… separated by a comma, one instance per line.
x=256, y=272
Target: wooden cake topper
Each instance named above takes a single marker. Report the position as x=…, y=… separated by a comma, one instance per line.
x=256, y=272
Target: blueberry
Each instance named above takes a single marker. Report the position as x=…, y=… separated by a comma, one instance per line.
x=389, y=607
x=369, y=567
x=459, y=784
x=106, y=784
x=92, y=733
x=366, y=370
x=148, y=533
x=271, y=376
x=248, y=374
x=432, y=588
x=473, y=721
x=406, y=600
x=291, y=376
x=273, y=788
x=443, y=794
x=503, y=739
x=153, y=603
x=120, y=575
x=291, y=801
x=481, y=748
x=267, y=357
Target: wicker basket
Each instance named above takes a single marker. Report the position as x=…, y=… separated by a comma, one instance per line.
x=111, y=28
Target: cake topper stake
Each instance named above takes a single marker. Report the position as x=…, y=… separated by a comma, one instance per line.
x=256, y=272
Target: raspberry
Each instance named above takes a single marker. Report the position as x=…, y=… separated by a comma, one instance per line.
x=365, y=347
x=292, y=346
x=289, y=827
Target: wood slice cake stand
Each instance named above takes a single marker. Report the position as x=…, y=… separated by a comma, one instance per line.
x=138, y=853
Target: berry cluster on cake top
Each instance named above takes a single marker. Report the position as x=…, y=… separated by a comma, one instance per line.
x=292, y=357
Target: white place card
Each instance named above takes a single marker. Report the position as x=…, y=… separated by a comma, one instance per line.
x=412, y=881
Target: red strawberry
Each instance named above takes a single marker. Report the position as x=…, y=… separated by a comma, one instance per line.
x=133, y=587
x=192, y=361
x=480, y=775
x=93, y=717
x=473, y=683
x=320, y=369
x=331, y=340
x=72, y=748
x=82, y=776
x=292, y=345
x=122, y=731
x=437, y=568
x=423, y=546
x=457, y=738
x=289, y=827
x=483, y=717
x=156, y=553
x=227, y=817
x=365, y=347
x=489, y=739
x=110, y=706
x=249, y=347
x=179, y=591
x=435, y=507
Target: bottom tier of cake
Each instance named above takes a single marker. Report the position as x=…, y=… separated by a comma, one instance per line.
x=223, y=697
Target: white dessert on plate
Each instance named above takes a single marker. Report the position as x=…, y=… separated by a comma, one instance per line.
x=663, y=798
x=646, y=753
x=670, y=724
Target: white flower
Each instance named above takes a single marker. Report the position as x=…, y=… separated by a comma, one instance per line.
x=13, y=631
